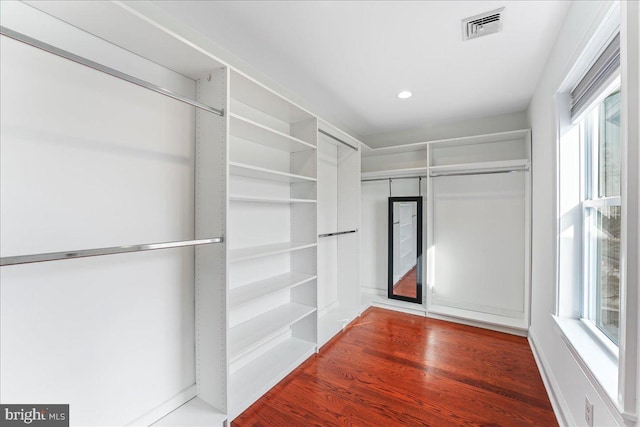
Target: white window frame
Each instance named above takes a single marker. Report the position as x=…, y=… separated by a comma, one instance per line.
x=588, y=171
x=614, y=379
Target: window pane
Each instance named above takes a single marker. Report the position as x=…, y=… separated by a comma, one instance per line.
x=609, y=147
x=605, y=256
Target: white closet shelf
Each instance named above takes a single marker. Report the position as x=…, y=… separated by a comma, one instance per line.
x=334, y=321
x=250, y=171
x=194, y=413
x=259, y=199
x=262, y=288
x=247, y=91
x=395, y=173
x=249, y=335
x=252, y=380
x=502, y=165
x=244, y=254
x=255, y=132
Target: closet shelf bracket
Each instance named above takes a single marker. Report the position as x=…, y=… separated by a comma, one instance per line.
x=107, y=70
x=56, y=256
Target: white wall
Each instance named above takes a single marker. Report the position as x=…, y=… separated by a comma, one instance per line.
x=569, y=384
x=406, y=160
x=479, y=223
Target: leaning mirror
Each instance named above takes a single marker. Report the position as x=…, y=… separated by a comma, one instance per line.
x=405, y=249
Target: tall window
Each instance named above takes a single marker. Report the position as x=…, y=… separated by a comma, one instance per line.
x=600, y=135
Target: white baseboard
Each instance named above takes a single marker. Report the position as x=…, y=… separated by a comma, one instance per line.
x=478, y=324
x=328, y=308
x=163, y=409
x=559, y=405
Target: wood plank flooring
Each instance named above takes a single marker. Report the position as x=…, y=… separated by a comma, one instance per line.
x=395, y=369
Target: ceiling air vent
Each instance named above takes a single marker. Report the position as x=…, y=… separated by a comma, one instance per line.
x=482, y=25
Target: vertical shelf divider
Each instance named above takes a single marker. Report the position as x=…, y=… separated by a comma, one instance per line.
x=211, y=217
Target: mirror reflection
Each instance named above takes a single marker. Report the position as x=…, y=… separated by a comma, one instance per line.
x=405, y=248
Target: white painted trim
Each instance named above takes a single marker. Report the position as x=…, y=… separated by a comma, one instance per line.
x=165, y=408
x=194, y=413
x=559, y=405
x=592, y=360
x=602, y=202
x=482, y=317
x=594, y=40
x=373, y=291
x=477, y=324
x=599, y=336
x=629, y=379
x=393, y=305
x=331, y=306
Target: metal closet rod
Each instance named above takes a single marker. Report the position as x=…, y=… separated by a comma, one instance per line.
x=337, y=139
x=56, y=256
x=392, y=179
x=103, y=68
x=337, y=233
x=436, y=175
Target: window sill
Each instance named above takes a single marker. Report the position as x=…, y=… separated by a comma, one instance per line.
x=595, y=359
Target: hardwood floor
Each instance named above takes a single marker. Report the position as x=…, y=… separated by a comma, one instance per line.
x=395, y=369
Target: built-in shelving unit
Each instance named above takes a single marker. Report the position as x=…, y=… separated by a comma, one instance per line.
x=272, y=239
x=479, y=211
x=390, y=171
x=474, y=182
x=254, y=184
x=338, y=224
x=152, y=321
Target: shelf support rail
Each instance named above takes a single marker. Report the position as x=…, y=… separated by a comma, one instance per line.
x=337, y=139
x=338, y=233
x=107, y=70
x=56, y=256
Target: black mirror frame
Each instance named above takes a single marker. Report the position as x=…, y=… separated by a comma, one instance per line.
x=390, y=294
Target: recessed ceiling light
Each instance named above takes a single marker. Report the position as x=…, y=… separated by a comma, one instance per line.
x=404, y=94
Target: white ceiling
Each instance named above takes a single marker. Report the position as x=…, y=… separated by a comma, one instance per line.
x=349, y=59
